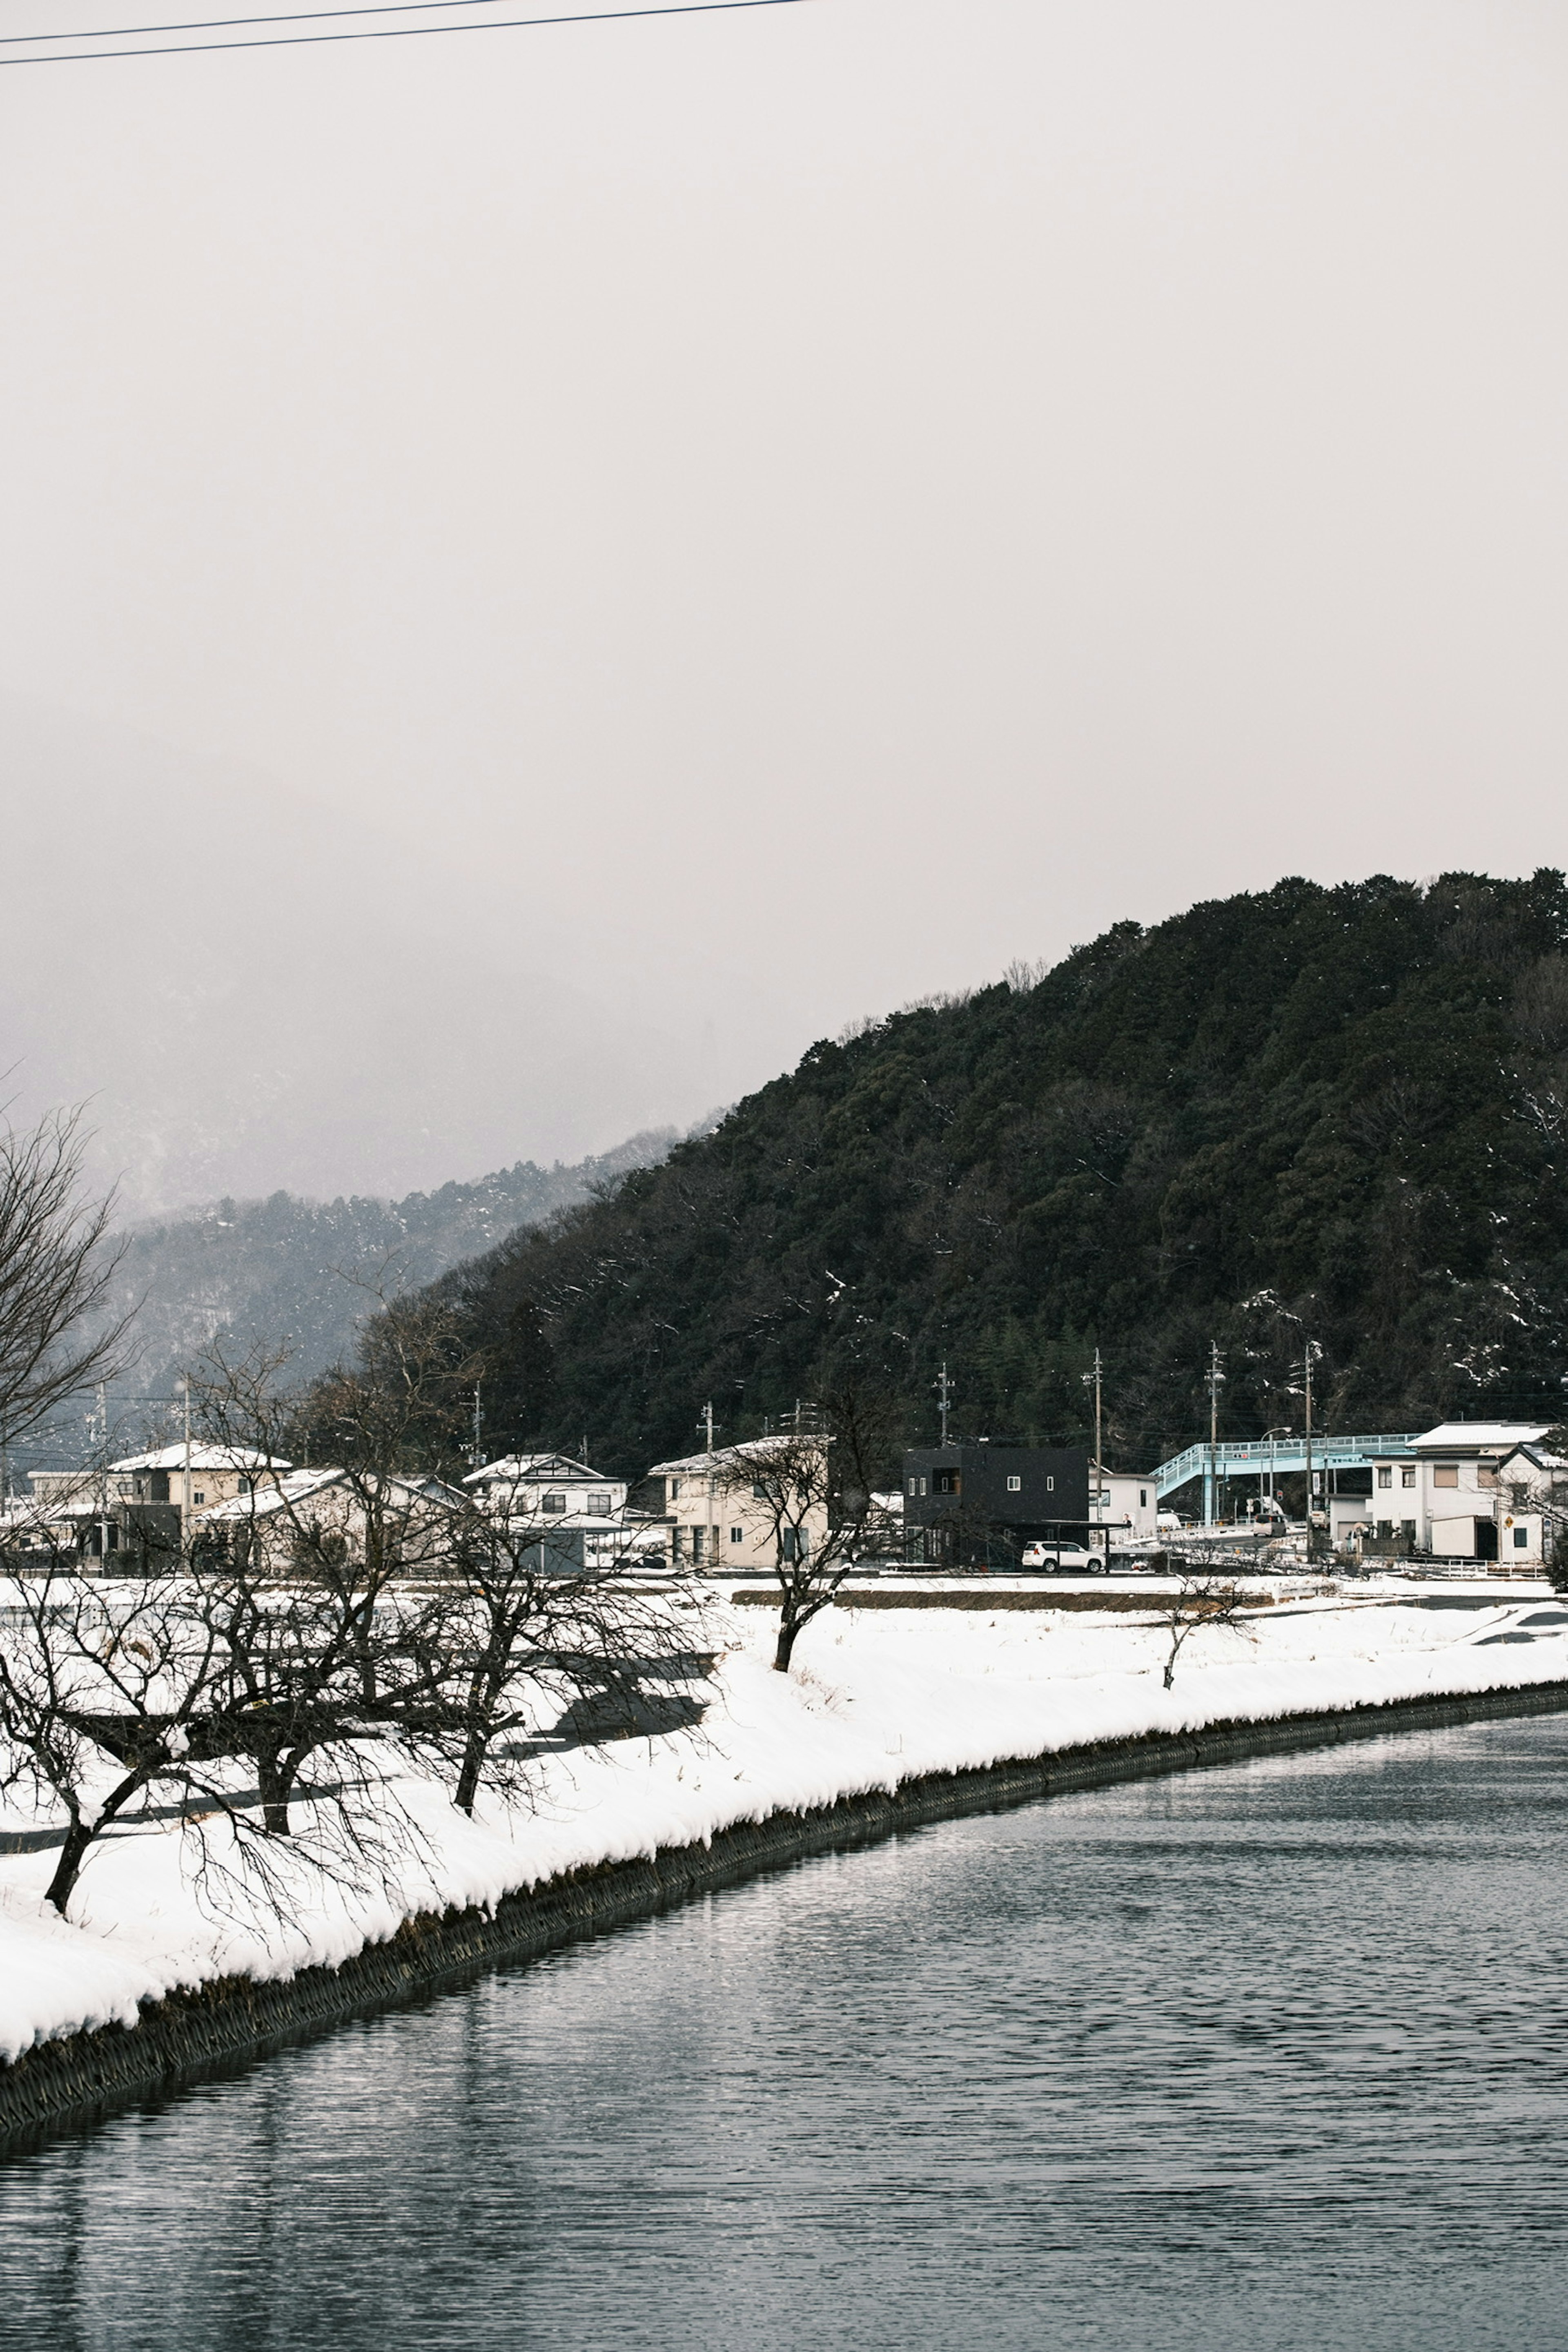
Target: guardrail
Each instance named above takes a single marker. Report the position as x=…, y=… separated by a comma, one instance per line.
x=1250, y=1457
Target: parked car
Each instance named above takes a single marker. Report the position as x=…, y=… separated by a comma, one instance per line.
x=1064, y=1559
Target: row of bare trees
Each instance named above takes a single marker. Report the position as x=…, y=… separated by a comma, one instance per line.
x=283, y=1673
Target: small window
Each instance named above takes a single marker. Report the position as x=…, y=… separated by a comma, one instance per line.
x=198, y=1497
x=1407, y=1526
x=914, y=1487
x=1015, y=1485
x=1521, y=1538
x=555, y=1503
x=1050, y=1486
x=760, y=1494
x=948, y=1481
x=598, y=1506
x=1385, y=1530
x=737, y=1534
x=1143, y=1498
x=922, y=1485
x=1385, y=1476
x=1407, y=1476
x=674, y=1490
x=1447, y=1473
x=697, y=1543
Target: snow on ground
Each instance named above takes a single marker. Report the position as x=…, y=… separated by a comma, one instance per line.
x=875, y=1696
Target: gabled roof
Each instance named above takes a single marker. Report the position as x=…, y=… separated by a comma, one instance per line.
x=1478, y=1436
x=539, y=1469
x=288, y=1493
x=1536, y=1455
x=700, y=1465
x=203, y=1457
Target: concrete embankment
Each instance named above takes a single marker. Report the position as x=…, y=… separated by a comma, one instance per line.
x=64, y=2082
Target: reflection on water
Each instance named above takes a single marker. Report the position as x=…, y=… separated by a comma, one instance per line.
x=1270, y=2056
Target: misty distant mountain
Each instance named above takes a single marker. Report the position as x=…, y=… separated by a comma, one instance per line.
x=309, y=1272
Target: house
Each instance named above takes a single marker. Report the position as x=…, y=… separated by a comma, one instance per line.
x=1125, y=1505
x=716, y=1521
x=141, y=1502
x=547, y=1487
x=1532, y=1503
x=1446, y=1496
x=282, y=1517
x=979, y=1495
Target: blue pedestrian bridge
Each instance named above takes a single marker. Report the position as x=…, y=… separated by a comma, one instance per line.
x=1256, y=1457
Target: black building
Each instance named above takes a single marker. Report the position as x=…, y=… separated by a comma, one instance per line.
x=984, y=1500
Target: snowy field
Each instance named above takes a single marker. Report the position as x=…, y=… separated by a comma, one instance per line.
x=875, y=1696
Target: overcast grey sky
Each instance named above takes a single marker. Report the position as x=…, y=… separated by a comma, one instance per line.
x=547, y=570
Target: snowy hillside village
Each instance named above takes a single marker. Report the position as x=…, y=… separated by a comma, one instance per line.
x=1483, y=1495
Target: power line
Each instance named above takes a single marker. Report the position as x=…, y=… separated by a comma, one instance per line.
x=378, y=33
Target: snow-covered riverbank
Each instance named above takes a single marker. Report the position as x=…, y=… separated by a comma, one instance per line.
x=877, y=1697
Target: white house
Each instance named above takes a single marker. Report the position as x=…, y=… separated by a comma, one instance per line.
x=1126, y=1504
x=547, y=1487
x=280, y=1513
x=1448, y=1495
x=714, y=1523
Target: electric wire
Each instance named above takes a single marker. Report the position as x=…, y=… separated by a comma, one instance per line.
x=375, y=33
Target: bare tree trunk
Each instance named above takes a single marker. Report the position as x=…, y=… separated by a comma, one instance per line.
x=78, y=1838
x=784, y=1650
x=276, y=1781
x=474, y=1753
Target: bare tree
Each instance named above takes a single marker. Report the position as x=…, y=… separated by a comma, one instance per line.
x=55, y=1273
x=515, y=1638
x=1199, y=1602
x=816, y=1494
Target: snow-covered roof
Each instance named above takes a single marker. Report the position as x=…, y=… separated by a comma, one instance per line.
x=1536, y=1455
x=203, y=1457
x=1478, y=1436
x=698, y=1465
x=288, y=1493
x=538, y=1469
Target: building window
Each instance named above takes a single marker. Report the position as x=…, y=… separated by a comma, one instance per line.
x=1384, y=1477
x=948, y=1481
x=198, y=1497
x=599, y=1507
x=1385, y=1530
x=1447, y=1473
x=1015, y=1485
x=760, y=1494
x=1407, y=1477
x=553, y=1502
x=1050, y=1486
x=674, y=1490
x=1143, y=1498
x=696, y=1544
x=914, y=1486
x=1521, y=1538
x=1407, y=1526
x=737, y=1534
x=922, y=1485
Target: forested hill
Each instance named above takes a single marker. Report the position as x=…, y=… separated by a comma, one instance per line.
x=1334, y=1113
x=307, y=1274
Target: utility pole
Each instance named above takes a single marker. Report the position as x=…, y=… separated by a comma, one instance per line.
x=1307, y=1364
x=708, y=1421
x=478, y=1454
x=1216, y=1380
x=185, y=1503
x=943, y=1396
x=103, y=1477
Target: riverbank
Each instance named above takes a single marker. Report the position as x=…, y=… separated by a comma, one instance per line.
x=887, y=1720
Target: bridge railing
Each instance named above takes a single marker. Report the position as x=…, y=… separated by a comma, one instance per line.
x=1248, y=1457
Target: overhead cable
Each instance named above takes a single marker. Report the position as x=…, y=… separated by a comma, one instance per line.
x=373, y=32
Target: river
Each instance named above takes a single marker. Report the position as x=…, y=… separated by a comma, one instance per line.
x=1270, y=2056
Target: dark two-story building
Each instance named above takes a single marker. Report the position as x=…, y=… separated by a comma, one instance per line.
x=982, y=1499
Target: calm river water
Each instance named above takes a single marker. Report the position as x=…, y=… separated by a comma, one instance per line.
x=1269, y=2056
